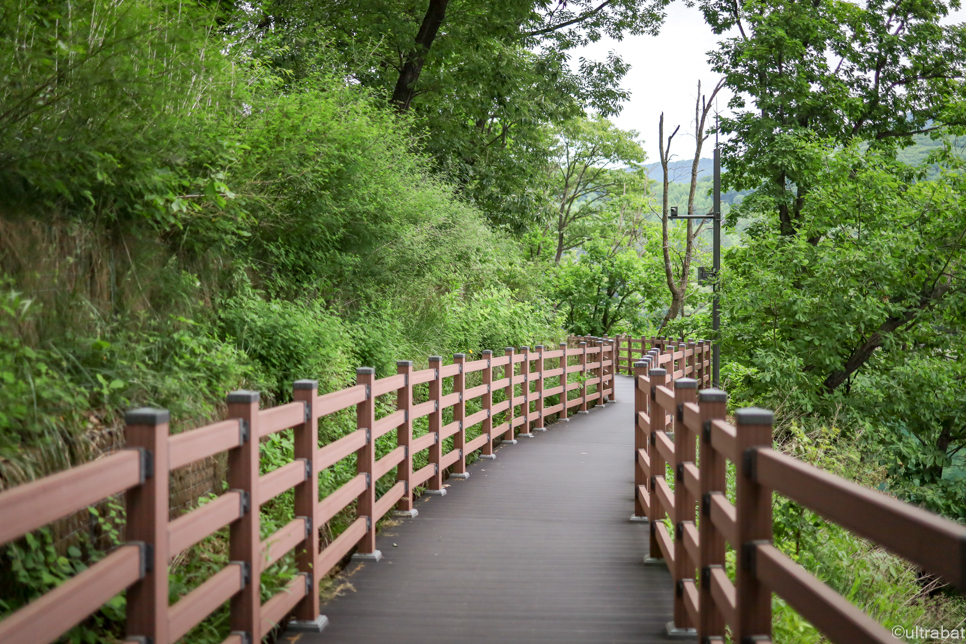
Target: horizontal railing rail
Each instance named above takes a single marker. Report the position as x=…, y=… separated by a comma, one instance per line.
x=706, y=601
x=142, y=470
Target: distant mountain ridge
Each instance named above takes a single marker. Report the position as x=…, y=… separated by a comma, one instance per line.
x=914, y=154
x=680, y=171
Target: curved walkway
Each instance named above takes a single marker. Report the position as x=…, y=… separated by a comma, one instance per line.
x=535, y=547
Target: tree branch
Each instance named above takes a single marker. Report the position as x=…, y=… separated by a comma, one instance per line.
x=567, y=23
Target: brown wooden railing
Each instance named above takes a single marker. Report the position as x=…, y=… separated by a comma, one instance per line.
x=629, y=350
x=694, y=550
x=142, y=472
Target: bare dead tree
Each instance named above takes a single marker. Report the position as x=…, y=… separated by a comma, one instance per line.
x=678, y=274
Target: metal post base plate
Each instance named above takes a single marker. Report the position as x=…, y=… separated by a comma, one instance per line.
x=637, y=519
x=509, y=442
x=316, y=625
x=563, y=420
x=412, y=514
x=583, y=412
x=435, y=492
x=539, y=429
x=654, y=561
x=375, y=555
x=489, y=457
x=676, y=633
x=527, y=435
x=460, y=475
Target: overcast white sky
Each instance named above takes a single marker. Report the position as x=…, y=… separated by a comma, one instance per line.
x=665, y=70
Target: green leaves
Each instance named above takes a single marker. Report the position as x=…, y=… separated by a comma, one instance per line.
x=860, y=314
x=103, y=108
x=830, y=71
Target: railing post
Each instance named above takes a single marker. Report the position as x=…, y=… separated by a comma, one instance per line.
x=618, y=355
x=488, y=405
x=754, y=523
x=601, y=371
x=685, y=451
x=604, y=370
x=698, y=375
x=583, y=372
x=640, y=439
x=563, y=383
x=713, y=471
x=147, y=522
x=305, y=443
x=366, y=464
x=709, y=368
x=510, y=392
x=244, y=538
x=540, y=426
x=525, y=407
x=614, y=370
x=459, y=415
x=434, y=485
x=657, y=377
x=690, y=371
x=630, y=355
x=404, y=438
x=700, y=365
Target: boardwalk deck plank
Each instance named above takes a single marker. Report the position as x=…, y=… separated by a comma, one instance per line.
x=535, y=547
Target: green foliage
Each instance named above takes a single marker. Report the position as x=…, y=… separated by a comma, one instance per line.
x=594, y=167
x=877, y=260
x=861, y=314
x=834, y=70
x=486, y=86
x=56, y=397
x=33, y=566
x=916, y=404
x=85, y=79
x=35, y=393
x=605, y=290
x=288, y=341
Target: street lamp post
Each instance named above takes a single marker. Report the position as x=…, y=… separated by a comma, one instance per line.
x=715, y=217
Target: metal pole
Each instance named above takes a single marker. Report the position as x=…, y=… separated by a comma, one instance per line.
x=716, y=306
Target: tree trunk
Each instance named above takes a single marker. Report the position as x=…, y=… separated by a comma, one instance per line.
x=678, y=284
x=676, y=309
x=560, y=247
x=861, y=354
x=402, y=96
x=665, y=154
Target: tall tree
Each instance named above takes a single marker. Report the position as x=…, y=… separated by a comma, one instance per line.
x=482, y=78
x=886, y=274
x=593, y=162
x=613, y=285
x=878, y=71
x=412, y=65
x=678, y=273
x=833, y=73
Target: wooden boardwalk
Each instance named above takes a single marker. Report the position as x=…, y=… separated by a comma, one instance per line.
x=536, y=546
